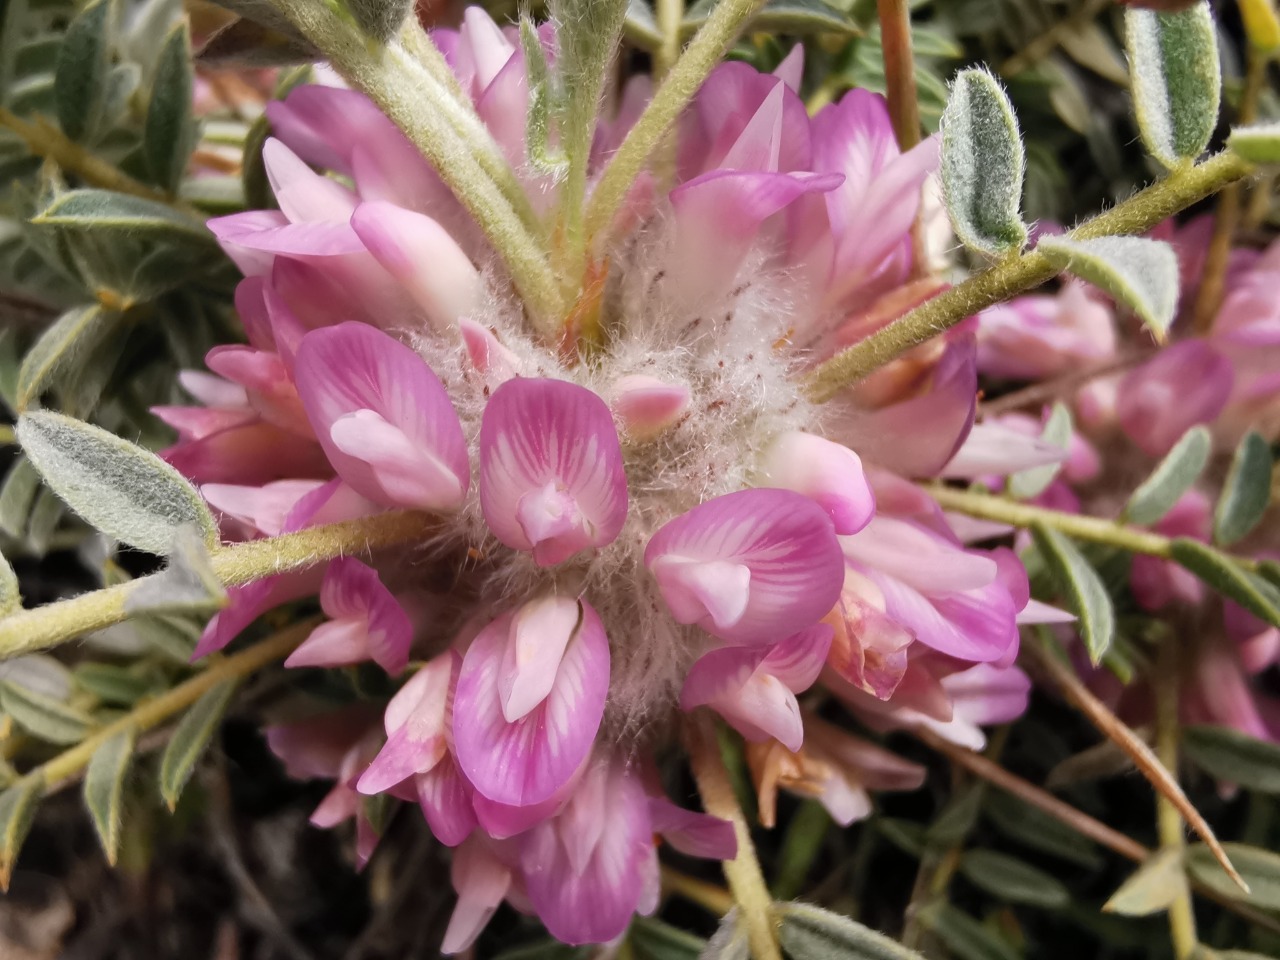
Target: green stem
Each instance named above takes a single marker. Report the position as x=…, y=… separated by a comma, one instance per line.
x=54, y=623
x=1093, y=529
x=670, y=14
x=427, y=111
x=1169, y=824
x=746, y=881
x=1136, y=215
x=700, y=57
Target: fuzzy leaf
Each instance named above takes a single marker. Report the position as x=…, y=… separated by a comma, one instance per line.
x=107, y=212
x=10, y=592
x=544, y=97
x=1057, y=430
x=1157, y=883
x=190, y=739
x=1246, y=491
x=964, y=936
x=121, y=489
x=1175, y=475
x=811, y=933
x=956, y=819
x=84, y=60
x=1234, y=757
x=1225, y=575
x=587, y=35
x=1008, y=878
x=983, y=165
x=111, y=684
x=1260, y=869
x=104, y=789
x=1176, y=80
x=16, y=496
x=1036, y=829
x=1083, y=588
x=1140, y=273
x=72, y=335
x=652, y=939
x=729, y=942
x=44, y=717
x=187, y=585
x=17, y=811
x=1259, y=143
x=640, y=28
x=792, y=17
x=170, y=134
x=380, y=19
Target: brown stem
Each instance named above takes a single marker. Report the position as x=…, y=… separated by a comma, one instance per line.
x=1182, y=917
x=1059, y=387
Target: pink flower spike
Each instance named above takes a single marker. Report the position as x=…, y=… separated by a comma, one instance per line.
x=527, y=761
x=367, y=623
x=647, y=406
x=422, y=256
x=551, y=475
x=755, y=688
x=415, y=725
x=482, y=882
x=750, y=566
x=384, y=419
x=828, y=473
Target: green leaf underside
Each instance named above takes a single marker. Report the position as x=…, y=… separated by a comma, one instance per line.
x=811, y=933
x=17, y=811
x=1226, y=576
x=1257, y=144
x=44, y=717
x=1083, y=588
x=1246, y=491
x=1140, y=273
x=1260, y=869
x=1176, y=80
x=1010, y=879
x=1157, y=883
x=169, y=133
x=104, y=789
x=983, y=165
x=1234, y=757
x=1174, y=476
x=190, y=739
x=121, y=489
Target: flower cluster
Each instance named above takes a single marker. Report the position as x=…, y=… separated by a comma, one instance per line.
x=648, y=520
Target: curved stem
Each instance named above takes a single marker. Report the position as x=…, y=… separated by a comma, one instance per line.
x=670, y=15
x=1138, y=214
x=1182, y=918
x=746, y=881
x=240, y=563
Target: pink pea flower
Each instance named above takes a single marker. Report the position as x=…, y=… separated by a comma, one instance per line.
x=1036, y=337
x=1158, y=583
x=1183, y=385
x=366, y=622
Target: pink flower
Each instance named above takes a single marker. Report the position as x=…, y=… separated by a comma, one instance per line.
x=1157, y=583
x=1183, y=385
x=1036, y=337
x=366, y=622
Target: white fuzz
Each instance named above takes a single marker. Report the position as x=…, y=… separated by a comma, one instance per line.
x=733, y=357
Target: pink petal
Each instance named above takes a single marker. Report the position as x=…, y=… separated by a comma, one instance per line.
x=526, y=762
x=829, y=474
x=692, y=833
x=482, y=883
x=749, y=567
x=367, y=622
x=1183, y=385
x=920, y=558
x=263, y=508
x=422, y=256
x=303, y=194
x=869, y=650
x=245, y=604
x=266, y=379
x=384, y=419
x=647, y=406
x=992, y=448
x=494, y=362
x=445, y=799
x=416, y=727
x=551, y=475
x=540, y=634
x=250, y=452
x=791, y=69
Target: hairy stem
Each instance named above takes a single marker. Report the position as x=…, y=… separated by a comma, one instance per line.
x=1182, y=918
x=152, y=713
x=45, y=140
x=700, y=57
x=54, y=623
x=427, y=112
x=1138, y=214
x=715, y=899
x=670, y=14
x=899, y=71
x=1093, y=529
x=1148, y=764
x=746, y=881
x=1077, y=820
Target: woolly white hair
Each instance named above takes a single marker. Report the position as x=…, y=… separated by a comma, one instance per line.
x=730, y=352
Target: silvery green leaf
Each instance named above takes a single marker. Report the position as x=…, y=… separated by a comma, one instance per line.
x=10, y=592
x=1092, y=47
x=544, y=101
x=652, y=939
x=964, y=936
x=983, y=165
x=44, y=717
x=1057, y=431
x=111, y=684
x=380, y=19
x=956, y=818
x=1175, y=475
x=39, y=673
x=1157, y=883
x=77, y=331
x=46, y=514
x=1246, y=491
x=81, y=85
x=16, y=496
x=187, y=585
x=1081, y=586
x=1259, y=143
x=190, y=739
x=1012, y=880
x=729, y=942
x=792, y=17
x=104, y=789
x=1140, y=273
x=123, y=80
x=171, y=637
x=124, y=491
x=1234, y=757
x=811, y=933
x=169, y=134
x=1260, y=869
x=1176, y=80
x=640, y=28
x=111, y=213
x=587, y=34
x=1036, y=829
x=17, y=811
x=1226, y=576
